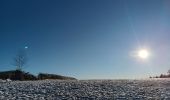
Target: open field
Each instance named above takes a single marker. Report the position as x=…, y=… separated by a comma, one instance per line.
x=150, y=89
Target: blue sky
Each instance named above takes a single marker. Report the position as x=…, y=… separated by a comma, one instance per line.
x=86, y=39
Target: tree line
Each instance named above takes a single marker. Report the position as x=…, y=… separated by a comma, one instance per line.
x=19, y=61
x=163, y=75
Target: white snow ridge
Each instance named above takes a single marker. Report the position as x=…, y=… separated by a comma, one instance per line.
x=86, y=90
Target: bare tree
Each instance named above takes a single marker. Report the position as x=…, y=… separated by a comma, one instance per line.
x=168, y=72
x=20, y=60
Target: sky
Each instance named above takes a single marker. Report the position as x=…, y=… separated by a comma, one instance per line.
x=87, y=39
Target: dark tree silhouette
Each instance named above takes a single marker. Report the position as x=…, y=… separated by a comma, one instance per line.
x=20, y=60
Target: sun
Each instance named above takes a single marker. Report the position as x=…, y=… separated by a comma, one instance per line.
x=143, y=53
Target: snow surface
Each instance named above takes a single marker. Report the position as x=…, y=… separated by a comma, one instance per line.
x=151, y=89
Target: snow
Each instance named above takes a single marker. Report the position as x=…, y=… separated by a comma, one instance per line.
x=86, y=89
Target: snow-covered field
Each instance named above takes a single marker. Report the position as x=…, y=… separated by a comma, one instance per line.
x=86, y=90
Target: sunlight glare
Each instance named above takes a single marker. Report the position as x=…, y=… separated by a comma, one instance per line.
x=143, y=53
